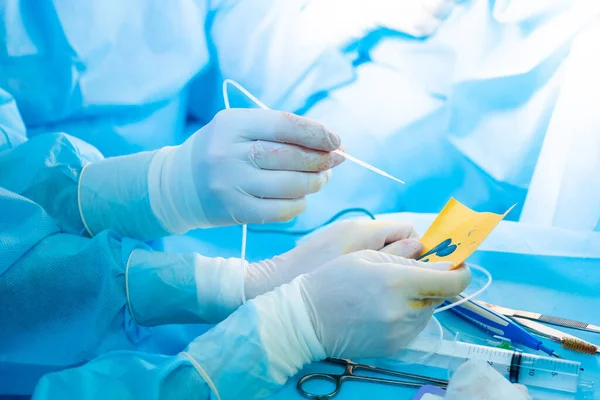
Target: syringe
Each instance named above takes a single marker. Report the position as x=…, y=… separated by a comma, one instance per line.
x=527, y=369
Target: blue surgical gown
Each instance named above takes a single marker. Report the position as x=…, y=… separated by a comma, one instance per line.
x=129, y=77
x=62, y=300
x=61, y=293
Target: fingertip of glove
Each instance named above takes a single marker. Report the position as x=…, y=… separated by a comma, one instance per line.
x=435, y=266
x=328, y=175
x=408, y=248
x=336, y=159
x=466, y=273
x=292, y=209
x=334, y=139
x=414, y=244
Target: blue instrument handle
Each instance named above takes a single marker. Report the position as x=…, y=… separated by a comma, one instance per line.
x=497, y=324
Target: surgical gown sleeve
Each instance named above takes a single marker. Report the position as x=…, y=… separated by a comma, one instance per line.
x=66, y=299
x=47, y=169
x=62, y=296
x=44, y=169
x=248, y=356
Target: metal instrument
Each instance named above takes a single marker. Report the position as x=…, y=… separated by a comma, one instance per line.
x=567, y=341
x=349, y=374
x=567, y=323
x=497, y=324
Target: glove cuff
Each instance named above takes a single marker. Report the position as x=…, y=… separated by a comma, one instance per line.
x=168, y=288
x=113, y=194
x=220, y=284
x=286, y=331
x=173, y=196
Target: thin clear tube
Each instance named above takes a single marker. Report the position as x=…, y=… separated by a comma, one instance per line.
x=472, y=295
x=244, y=227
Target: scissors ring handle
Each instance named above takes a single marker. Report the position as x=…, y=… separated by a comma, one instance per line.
x=336, y=379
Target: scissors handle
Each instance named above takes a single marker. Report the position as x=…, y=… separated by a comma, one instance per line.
x=335, y=379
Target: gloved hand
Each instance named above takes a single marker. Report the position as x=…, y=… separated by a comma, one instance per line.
x=371, y=304
x=193, y=288
x=361, y=305
x=479, y=381
x=341, y=238
x=245, y=166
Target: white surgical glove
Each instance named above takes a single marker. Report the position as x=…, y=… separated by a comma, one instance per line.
x=478, y=381
x=245, y=166
x=364, y=304
x=371, y=304
x=341, y=238
x=193, y=288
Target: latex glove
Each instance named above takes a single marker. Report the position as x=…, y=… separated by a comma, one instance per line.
x=356, y=18
x=193, y=288
x=364, y=304
x=334, y=241
x=476, y=380
x=371, y=304
x=245, y=166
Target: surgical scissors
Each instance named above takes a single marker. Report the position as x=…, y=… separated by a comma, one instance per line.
x=348, y=375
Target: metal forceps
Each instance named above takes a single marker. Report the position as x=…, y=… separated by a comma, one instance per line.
x=348, y=375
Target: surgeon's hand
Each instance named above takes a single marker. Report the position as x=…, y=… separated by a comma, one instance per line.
x=194, y=288
x=246, y=166
x=371, y=304
x=361, y=305
x=341, y=238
